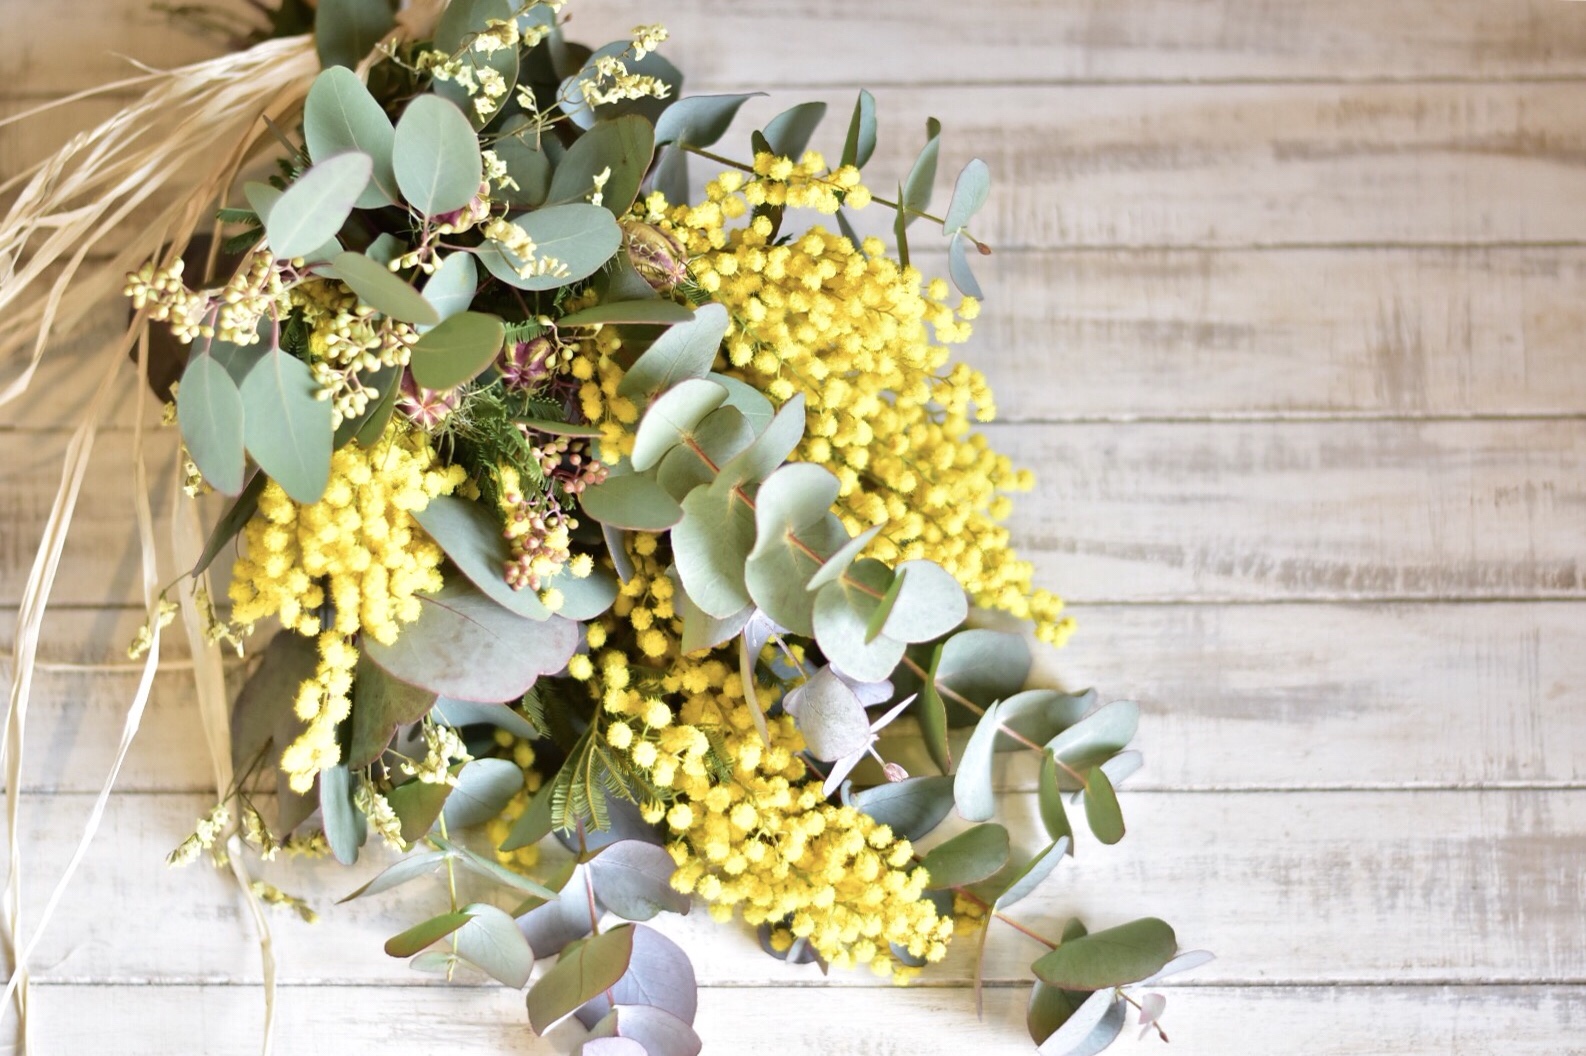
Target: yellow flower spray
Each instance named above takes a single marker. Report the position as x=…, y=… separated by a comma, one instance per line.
x=358, y=551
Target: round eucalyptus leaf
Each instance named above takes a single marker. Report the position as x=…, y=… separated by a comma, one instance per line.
x=581, y=974
x=861, y=141
x=435, y=155
x=552, y=926
x=346, y=31
x=704, y=631
x=472, y=537
x=789, y=132
x=757, y=410
x=972, y=785
x=613, y=1046
x=458, y=350
x=958, y=267
x=794, y=534
x=632, y=878
x=672, y=419
x=650, y=310
x=385, y=292
x=723, y=433
x=912, y=808
x=829, y=716
x=1037, y=869
x=1040, y=715
x=839, y=562
x=657, y=1030
x=345, y=826
x=1098, y=736
x=209, y=410
x=686, y=350
x=313, y=209
x=286, y=428
x=380, y=704
x=622, y=148
x=466, y=646
x=971, y=856
x=1184, y=962
x=1113, y=957
x=1102, y=812
x=772, y=447
x=633, y=501
x=491, y=942
x=710, y=546
x=659, y=975
x=529, y=166
x=916, y=194
x=451, y=289
x=981, y=666
x=340, y=115
x=930, y=603
x=699, y=120
x=417, y=804
x=483, y=787
x=842, y=612
x=1089, y=1027
x=420, y=936
x=969, y=194
x=571, y=243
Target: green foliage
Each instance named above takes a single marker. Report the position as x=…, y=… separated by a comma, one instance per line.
x=435, y=156
x=209, y=409
x=1114, y=957
x=286, y=427
x=313, y=209
x=458, y=350
x=861, y=141
x=345, y=31
x=465, y=645
x=579, y=976
x=340, y=115
x=621, y=148
x=971, y=856
x=788, y=134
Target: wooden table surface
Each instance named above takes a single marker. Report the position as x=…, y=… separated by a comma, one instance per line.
x=1286, y=313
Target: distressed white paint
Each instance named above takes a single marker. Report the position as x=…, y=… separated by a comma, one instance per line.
x=1300, y=214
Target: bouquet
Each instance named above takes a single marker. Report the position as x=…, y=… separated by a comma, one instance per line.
x=607, y=523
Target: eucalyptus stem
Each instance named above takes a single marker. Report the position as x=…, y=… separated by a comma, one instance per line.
x=451, y=889
x=741, y=167
x=798, y=544
x=948, y=691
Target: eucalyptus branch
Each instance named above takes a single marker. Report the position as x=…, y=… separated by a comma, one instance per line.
x=948, y=691
x=984, y=249
x=798, y=544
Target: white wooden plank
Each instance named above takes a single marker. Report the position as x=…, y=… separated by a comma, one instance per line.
x=1283, y=511
x=1207, y=333
x=1324, y=697
x=1209, y=165
x=920, y=1021
x=1182, y=334
x=1141, y=512
x=1269, y=880
x=759, y=42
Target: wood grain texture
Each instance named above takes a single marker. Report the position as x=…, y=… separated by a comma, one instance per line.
x=476, y=1021
x=999, y=41
x=1276, y=878
x=1227, y=231
x=1321, y=510
x=1205, y=165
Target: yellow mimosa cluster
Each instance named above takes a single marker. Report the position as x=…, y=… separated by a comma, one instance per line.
x=351, y=563
x=865, y=340
x=751, y=832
